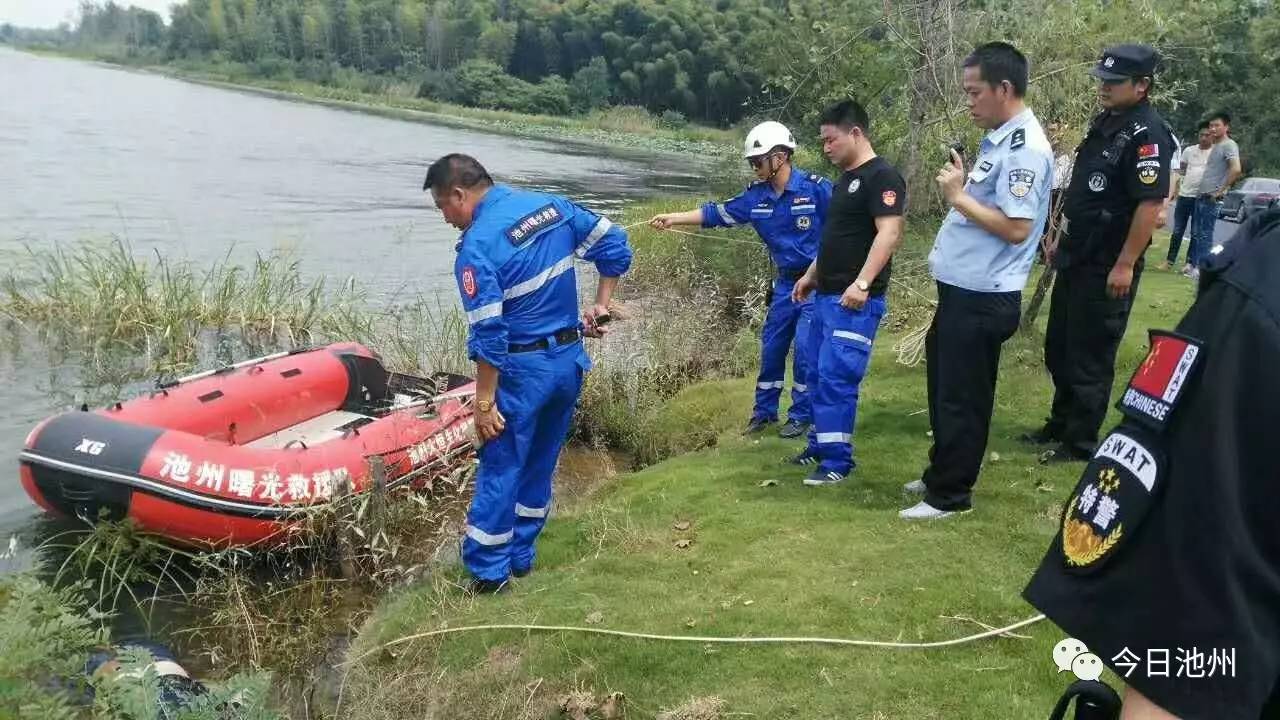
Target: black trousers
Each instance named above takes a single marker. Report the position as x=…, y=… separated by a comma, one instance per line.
x=962, y=350
x=1085, y=329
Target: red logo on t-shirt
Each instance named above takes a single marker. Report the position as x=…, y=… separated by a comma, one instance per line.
x=469, y=281
x=889, y=198
x=1149, y=151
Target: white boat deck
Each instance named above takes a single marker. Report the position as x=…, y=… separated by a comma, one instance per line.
x=312, y=432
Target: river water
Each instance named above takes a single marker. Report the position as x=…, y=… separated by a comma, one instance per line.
x=199, y=173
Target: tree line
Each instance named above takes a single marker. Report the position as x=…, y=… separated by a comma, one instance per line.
x=731, y=62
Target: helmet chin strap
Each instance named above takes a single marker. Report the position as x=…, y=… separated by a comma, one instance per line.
x=773, y=171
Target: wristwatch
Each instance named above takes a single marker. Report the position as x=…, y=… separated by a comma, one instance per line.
x=484, y=406
x=862, y=285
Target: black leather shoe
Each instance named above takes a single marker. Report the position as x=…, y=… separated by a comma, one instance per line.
x=793, y=429
x=487, y=587
x=1043, y=436
x=756, y=425
x=1063, y=454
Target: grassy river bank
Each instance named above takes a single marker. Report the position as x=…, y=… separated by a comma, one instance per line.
x=678, y=526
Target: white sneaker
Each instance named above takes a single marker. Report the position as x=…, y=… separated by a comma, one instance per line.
x=924, y=511
x=1194, y=274
x=915, y=487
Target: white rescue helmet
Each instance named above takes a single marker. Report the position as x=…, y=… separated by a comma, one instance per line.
x=767, y=136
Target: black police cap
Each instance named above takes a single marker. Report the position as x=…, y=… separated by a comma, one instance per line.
x=1122, y=62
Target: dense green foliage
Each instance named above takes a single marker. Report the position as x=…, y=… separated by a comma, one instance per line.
x=725, y=62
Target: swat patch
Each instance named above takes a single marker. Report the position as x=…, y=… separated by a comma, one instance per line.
x=1019, y=139
x=1097, y=182
x=1112, y=498
x=1159, y=382
x=469, y=281
x=526, y=226
x=804, y=222
x=854, y=184
x=1020, y=182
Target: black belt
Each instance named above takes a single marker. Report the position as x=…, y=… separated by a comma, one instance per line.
x=562, y=337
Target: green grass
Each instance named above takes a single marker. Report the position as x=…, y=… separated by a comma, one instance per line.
x=771, y=560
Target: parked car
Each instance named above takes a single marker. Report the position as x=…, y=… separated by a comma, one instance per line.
x=1253, y=195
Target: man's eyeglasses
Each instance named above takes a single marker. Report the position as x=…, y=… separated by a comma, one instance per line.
x=758, y=160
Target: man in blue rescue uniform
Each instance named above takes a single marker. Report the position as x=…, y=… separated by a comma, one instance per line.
x=1166, y=564
x=981, y=259
x=519, y=290
x=786, y=206
x=851, y=275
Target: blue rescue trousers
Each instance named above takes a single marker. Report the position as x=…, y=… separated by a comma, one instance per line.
x=839, y=352
x=536, y=395
x=785, y=322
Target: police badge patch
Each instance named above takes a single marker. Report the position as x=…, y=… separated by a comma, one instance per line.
x=1158, y=383
x=1097, y=182
x=1111, y=499
x=854, y=184
x=1020, y=181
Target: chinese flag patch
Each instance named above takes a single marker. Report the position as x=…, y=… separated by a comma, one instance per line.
x=1149, y=151
x=889, y=198
x=1159, y=381
x=469, y=281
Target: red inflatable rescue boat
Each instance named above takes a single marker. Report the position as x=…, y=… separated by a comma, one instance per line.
x=235, y=456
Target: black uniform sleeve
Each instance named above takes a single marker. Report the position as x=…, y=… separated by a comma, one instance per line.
x=1147, y=162
x=1167, y=561
x=888, y=194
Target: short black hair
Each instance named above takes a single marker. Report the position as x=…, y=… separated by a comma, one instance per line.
x=1000, y=61
x=1204, y=125
x=845, y=115
x=455, y=170
x=1222, y=115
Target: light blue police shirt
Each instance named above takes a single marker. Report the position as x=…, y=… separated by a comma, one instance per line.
x=1013, y=172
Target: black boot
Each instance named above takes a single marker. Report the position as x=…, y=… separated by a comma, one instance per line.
x=1094, y=701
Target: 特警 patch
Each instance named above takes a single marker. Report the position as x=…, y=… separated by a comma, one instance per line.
x=1020, y=181
x=1160, y=382
x=1112, y=498
x=469, y=281
x=525, y=227
x=1148, y=171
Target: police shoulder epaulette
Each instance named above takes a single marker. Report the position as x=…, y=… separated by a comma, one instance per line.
x=1019, y=139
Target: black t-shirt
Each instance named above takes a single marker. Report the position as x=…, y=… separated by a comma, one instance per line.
x=1124, y=160
x=870, y=190
x=1167, y=561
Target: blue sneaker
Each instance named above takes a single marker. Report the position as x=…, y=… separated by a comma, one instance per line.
x=794, y=429
x=822, y=477
x=803, y=458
